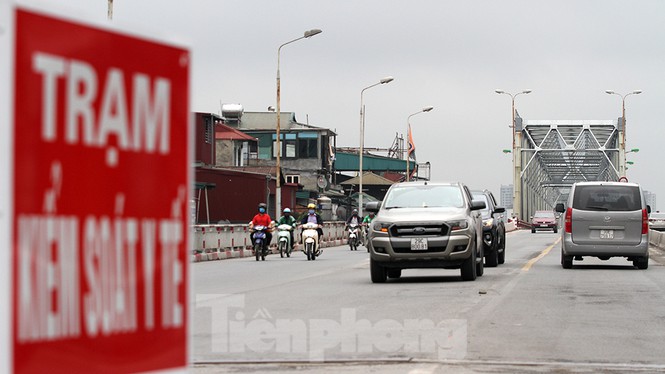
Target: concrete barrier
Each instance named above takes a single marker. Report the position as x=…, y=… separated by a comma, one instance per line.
x=225, y=241
x=220, y=242
x=657, y=239
x=653, y=238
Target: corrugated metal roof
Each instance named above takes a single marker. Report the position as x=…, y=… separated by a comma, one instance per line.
x=369, y=179
x=224, y=132
x=272, y=170
x=350, y=162
x=268, y=121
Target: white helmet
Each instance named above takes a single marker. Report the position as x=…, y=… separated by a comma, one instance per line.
x=287, y=210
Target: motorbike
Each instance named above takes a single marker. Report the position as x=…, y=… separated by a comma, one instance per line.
x=364, y=233
x=259, y=242
x=310, y=238
x=284, y=239
x=353, y=233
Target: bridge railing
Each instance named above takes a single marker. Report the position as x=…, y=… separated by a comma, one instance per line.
x=222, y=241
x=657, y=239
x=212, y=242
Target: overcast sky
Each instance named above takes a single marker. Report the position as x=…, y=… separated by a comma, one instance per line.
x=448, y=54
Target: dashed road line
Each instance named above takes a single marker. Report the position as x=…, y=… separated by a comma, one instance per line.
x=541, y=255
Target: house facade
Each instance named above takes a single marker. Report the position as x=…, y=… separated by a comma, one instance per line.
x=306, y=150
x=226, y=188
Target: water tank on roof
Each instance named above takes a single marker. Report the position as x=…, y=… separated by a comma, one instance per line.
x=232, y=111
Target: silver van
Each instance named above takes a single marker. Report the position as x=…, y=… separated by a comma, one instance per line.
x=605, y=219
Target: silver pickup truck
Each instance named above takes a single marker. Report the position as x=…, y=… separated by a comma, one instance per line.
x=426, y=225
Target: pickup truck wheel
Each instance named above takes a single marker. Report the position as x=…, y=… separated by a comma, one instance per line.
x=468, y=269
x=502, y=253
x=377, y=272
x=492, y=256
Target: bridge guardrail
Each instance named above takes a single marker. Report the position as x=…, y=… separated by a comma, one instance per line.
x=657, y=239
x=222, y=241
x=216, y=242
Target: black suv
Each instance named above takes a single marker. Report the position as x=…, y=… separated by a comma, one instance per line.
x=494, y=229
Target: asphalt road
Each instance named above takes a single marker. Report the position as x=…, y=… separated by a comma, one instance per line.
x=528, y=315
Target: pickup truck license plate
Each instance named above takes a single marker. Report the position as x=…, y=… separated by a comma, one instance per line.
x=607, y=234
x=419, y=244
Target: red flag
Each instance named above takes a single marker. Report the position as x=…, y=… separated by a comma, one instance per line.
x=411, y=153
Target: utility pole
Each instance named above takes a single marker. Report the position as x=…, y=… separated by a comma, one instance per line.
x=110, y=11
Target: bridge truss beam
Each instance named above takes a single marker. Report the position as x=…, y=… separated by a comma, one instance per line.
x=555, y=154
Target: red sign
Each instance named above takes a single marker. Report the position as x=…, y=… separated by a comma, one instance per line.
x=101, y=184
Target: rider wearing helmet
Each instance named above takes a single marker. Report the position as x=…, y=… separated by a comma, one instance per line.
x=262, y=219
x=368, y=218
x=288, y=219
x=354, y=219
x=313, y=217
x=367, y=221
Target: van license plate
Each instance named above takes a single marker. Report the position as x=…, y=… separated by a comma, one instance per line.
x=419, y=244
x=607, y=234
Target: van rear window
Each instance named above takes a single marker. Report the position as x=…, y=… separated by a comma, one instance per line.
x=607, y=198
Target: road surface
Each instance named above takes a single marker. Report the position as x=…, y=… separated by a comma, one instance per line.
x=528, y=315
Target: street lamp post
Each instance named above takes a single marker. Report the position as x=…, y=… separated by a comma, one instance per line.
x=385, y=80
x=622, y=132
x=408, y=132
x=278, y=144
x=517, y=156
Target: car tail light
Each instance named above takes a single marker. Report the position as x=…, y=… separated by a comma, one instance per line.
x=645, y=222
x=569, y=221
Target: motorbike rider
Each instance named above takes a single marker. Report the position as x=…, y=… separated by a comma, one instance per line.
x=366, y=222
x=262, y=218
x=313, y=217
x=288, y=219
x=368, y=218
x=354, y=219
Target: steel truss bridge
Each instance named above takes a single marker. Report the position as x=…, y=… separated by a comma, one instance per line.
x=549, y=156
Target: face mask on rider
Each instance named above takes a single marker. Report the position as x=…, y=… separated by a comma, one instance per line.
x=311, y=211
x=262, y=210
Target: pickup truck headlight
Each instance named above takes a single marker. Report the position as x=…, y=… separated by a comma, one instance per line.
x=488, y=222
x=381, y=226
x=458, y=225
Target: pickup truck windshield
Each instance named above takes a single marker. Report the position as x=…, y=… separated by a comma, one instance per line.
x=424, y=197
